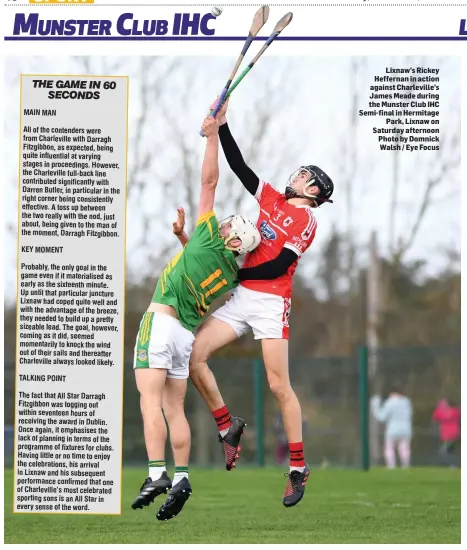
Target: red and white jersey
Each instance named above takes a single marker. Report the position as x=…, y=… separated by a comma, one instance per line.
x=281, y=224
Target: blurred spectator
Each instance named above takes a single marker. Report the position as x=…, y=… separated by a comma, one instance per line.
x=448, y=417
x=396, y=412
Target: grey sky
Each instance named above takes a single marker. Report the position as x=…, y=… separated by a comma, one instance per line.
x=311, y=109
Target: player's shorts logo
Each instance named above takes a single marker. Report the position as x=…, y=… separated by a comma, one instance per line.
x=142, y=355
x=286, y=314
x=267, y=231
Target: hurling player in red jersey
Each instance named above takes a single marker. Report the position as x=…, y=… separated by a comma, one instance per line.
x=262, y=302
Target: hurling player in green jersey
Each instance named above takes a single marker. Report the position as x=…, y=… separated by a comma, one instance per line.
x=204, y=270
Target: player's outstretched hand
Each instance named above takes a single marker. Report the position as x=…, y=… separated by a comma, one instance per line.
x=179, y=224
x=210, y=126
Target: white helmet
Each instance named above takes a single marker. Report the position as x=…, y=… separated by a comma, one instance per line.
x=243, y=229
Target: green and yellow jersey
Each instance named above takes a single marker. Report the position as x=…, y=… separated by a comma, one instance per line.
x=200, y=273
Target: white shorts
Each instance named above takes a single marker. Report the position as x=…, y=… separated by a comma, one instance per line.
x=163, y=343
x=395, y=438
x=266, y=314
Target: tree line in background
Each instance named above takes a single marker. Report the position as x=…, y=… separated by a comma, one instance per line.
x=346, y=292
x=324, y=321
x=326, y=329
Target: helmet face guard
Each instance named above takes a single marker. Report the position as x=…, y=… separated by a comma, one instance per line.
x=243, y=229
x=315, y=177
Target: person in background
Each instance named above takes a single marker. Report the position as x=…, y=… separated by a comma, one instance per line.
x=448, y=416
x=396, y=412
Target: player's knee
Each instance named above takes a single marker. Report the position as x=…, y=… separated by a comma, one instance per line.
x=199, y=355
x=198, y=372
x=174, y=413
x=280, y=389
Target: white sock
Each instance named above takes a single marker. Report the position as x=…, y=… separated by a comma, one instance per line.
x=155, y=472
x=178, y=476
x=224, y=432
x=298, y=468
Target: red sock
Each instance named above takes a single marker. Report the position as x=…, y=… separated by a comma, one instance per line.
x=222, y=418
x=297, y=458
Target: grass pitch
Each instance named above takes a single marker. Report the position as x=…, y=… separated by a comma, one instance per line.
x=421, y=505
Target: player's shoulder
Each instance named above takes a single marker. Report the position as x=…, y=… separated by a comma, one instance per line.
x=206, y=217
x=206, y=234
x=270, y=187
x=304, y=214
x=267, y=190
x=304, y=224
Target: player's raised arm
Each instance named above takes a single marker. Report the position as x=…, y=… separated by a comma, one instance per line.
x=179, y=227
x=233, y=156
x=210, y=169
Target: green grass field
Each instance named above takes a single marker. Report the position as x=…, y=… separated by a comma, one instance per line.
x=421, y=505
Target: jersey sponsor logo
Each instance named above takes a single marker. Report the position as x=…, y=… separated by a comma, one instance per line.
x=267, y=231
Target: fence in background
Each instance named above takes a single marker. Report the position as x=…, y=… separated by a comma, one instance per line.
x=334, y=393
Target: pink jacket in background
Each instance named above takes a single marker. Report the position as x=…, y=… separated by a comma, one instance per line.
x=448, y=419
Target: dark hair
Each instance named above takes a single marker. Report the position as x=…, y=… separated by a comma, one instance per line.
x=397, y=388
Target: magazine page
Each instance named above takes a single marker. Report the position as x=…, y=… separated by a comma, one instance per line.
x=232, y=272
